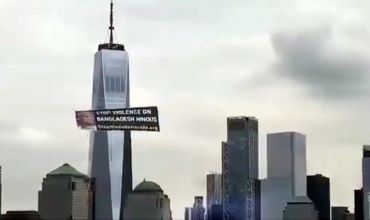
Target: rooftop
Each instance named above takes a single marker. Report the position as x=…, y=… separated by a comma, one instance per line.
x=148, y=187
x=66, y=170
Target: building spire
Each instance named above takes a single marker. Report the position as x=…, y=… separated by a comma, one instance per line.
x=111, y=27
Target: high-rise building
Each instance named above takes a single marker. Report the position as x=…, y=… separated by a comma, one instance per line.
x=110, y=151
x=366, y=181
x=64, y=194
x=198, y=210
x=214, y=191
x=349, y=216
x=359, y=205
x=240, y=169
x=318, y=190
x=188, y=213
x=286, y=173
x=286, y=156
x=339, y=212
x=147, y=202
x=216, y=213
x=1, y=190
x=300, y=208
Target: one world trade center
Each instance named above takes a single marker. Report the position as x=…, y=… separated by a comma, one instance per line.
x=110, y=165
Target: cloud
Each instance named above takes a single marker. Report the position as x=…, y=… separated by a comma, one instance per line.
x=327, y=67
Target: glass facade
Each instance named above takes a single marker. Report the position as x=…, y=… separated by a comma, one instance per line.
x=240, y=169
x=110, y=152
x=366, y=181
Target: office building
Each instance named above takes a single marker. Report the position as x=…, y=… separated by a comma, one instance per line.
x=198, y=211
x=214, y=191
x=21, y=215
x=300, y=208
x=318, y=190
x=215, y=213
x=1, y=190
x=339, y=212
x=349, y=216
x=240, y=169
x=64, y=194
x=366, y=181
x=147, y=202
x=359, y=205
x=187, y=213
x=286, y=173
x=110, y=152
x=286, y=156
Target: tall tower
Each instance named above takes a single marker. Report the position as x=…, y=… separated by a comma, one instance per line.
x=240, y=169
x=286, y=173
x=214, y=190
x=1, y=188
x=110, y=164
x=318, y=190
x=366, y=181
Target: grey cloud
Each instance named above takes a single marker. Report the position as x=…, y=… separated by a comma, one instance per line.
x=311, y=58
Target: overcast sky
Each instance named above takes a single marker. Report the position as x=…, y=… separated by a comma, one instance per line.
x=296, y=65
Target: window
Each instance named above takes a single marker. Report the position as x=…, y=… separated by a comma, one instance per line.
x=114, y=84
x=72, y=186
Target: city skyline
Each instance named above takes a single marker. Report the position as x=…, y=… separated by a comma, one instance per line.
x=184, y=57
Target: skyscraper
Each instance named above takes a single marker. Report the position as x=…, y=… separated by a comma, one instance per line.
x=187, y=213
x=286, y=156
x=366, y=181
x=1, y=189
x=339, y=212
x=214, y=191
x=286, y=173
x=240, y=169
x=359, y=204
x=110, y=152
x=64, y=194
x=318, y=190
x=198, y=210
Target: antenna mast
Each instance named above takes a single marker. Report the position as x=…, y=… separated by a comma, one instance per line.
x=111, y=27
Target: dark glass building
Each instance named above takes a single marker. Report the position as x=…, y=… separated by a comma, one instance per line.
x=318, y=190
x=198, y=211
x=240, y=170
x=339, y=212
x=359, y=204
x=1, y=188
x=215, y=213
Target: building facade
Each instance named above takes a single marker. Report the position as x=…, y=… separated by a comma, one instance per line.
x=214, y=191
x=1, y=190
x=339, y=212
x=147, y=202
x=286, y=173
x=110, y=151
x=64, y=195
x=318, y=190
x=198, y=211
x=359, y=204
x=187, y=213
x=286, y=156
x=300, y=208
x=240, y=169
x=215, y=213
x=366, y=181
